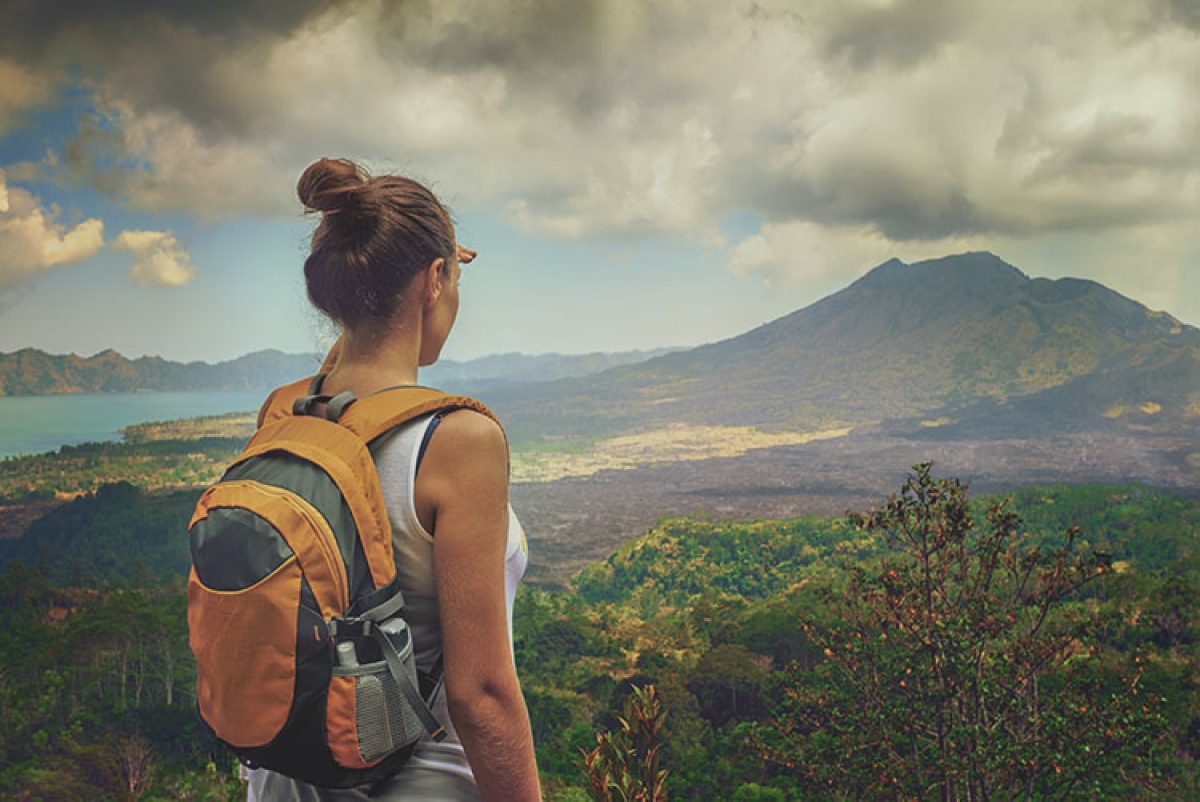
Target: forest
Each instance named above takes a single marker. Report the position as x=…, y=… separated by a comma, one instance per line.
x=1038, y=645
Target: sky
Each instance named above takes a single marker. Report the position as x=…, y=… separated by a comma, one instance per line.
x=634, y=173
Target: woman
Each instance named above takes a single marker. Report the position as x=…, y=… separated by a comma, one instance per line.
x=385, y=266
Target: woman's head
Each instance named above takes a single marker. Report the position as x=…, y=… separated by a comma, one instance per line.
x=375, y=236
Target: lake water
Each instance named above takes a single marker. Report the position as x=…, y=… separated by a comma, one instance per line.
x=36, y=424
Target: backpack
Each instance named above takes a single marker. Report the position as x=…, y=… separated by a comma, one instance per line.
x=304, y=662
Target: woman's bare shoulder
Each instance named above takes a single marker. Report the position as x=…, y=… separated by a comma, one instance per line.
x=468, y=433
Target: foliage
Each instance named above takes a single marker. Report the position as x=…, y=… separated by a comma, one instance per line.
x=728, y=684
x=959, y=667
x=727, y=621
x=624, y=766
x=97, y=694
x=118, y=534
x=681, y=558
x=1150, y=529
x=85, y=468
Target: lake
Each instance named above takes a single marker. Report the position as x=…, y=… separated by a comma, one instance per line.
x=36, y=424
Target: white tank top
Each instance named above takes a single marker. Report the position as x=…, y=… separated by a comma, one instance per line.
x=396, y=457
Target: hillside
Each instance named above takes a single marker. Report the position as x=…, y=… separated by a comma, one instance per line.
x=905, y=340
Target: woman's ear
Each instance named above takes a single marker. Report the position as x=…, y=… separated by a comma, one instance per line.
x=434, y=281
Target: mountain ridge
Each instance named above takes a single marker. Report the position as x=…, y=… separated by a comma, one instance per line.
x=901, y=341
x=30, y=371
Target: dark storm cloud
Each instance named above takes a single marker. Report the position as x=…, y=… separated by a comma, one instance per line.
x=896, y=35
x=1185, y=12
x=528, y=36
x=34, y=28
x=159, y=52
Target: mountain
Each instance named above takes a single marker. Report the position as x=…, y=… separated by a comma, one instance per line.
x=33, y=372
x=930, y=342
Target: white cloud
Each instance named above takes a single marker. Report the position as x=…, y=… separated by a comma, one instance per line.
x=158, y=258
x=802, y=250
x=827, y=257
x=32, y=241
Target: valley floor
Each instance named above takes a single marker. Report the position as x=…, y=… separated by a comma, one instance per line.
x=573, y=521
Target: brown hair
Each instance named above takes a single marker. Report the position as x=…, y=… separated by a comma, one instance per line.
x=375, y=235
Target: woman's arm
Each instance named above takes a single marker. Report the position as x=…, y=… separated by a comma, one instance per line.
x=462, y=497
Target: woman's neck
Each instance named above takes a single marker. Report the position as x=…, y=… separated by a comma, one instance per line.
x=373, y=360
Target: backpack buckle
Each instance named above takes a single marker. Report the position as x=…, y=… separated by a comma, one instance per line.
x=346, y=628
x=335, y=405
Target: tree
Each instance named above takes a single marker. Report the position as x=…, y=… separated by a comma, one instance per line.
x=136, y=761
x=727, y=683
x=958, y=666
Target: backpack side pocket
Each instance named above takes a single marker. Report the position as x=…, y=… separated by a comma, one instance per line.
x=369, y=717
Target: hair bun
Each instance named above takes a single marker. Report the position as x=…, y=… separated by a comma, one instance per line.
x=376, y=235
x=331, y=186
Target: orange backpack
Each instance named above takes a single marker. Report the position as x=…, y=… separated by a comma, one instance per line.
x=304, y=662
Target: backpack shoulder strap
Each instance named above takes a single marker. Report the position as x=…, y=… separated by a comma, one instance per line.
x=380, y=412
x=375, y=414
x=279, y=402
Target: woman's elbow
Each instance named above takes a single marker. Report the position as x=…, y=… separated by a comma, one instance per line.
x=479, y=701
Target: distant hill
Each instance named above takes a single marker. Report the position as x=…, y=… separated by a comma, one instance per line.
x=507, y=370
x=930, y=342
x=33, y=372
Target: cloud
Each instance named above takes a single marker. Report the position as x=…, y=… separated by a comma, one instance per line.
x=158, y=258
x=890, y=35
x=32, y=241
x=827, y=257
x=95, y=33
x=21, y=90
x=921, y=121
x=158, y=162
x=802, y=249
